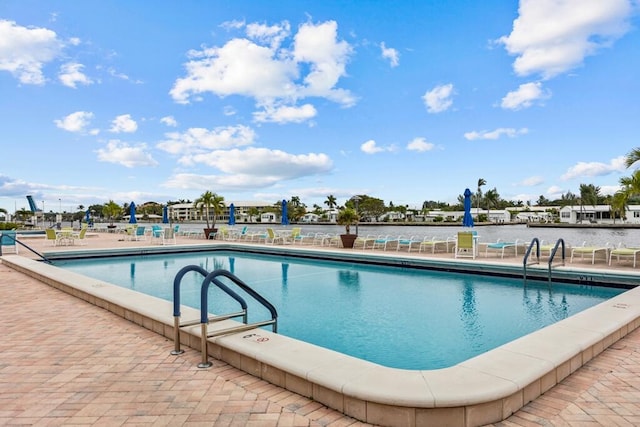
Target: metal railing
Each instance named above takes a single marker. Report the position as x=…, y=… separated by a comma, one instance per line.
x=535, y=243
x=205, y=319
x=12, y=238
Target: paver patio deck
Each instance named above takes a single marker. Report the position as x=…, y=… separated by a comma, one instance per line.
x=66, y=362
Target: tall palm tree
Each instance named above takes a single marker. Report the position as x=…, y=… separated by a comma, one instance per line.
x=589, y=194
x=481, y=183
x=492, y=199
x=331, y=201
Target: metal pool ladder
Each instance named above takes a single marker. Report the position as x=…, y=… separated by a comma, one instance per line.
x=205, y=319
x=536, y=243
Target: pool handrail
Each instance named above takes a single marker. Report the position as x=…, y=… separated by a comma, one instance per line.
x=204, y=301
x=535, y=242
x=13, y=237
x=559, y=242
x=176, y=305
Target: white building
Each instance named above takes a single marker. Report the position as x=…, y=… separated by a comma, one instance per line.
x=598, y=214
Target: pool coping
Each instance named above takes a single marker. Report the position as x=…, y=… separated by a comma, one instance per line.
x=482, y=390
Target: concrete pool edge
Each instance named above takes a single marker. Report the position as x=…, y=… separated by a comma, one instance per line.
x=485, y=389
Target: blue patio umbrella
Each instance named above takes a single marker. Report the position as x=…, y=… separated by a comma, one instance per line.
x=165, y=215
x=132, y=214
x=232, y=214
x=87, y=216
x=285, y=215
x=467, y=219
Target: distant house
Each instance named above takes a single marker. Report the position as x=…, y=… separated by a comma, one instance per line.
x=598, y=214
x=268, y=217
x=310, y=217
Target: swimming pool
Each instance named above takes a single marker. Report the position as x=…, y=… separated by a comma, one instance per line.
x=397, y=317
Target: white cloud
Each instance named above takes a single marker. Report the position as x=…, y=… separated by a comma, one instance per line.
x=169, y=121
x=200, y=140
x=123, y=124
x=439, y=99
x=252, y=168
x=591, y=169
x=126, y=155
x=71, y=74
x=75, y=122
x=420, y=144
x=25, y=51
x=285, y=114
x=550, y=37
x=524, y=96
x=532, y=181
x=391, y=54
x=273, y=74
x=495, y=134
x=370, y=147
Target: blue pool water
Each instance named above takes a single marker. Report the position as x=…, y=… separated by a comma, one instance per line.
x=397, y=317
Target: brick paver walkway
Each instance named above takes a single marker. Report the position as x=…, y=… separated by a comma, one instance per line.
x=66, y=362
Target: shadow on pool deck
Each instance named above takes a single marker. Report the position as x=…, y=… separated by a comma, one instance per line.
x=68, y=362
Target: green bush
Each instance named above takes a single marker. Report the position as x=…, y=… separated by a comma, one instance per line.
x=8, y=225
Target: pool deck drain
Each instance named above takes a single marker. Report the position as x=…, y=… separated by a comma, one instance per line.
x=68, y=362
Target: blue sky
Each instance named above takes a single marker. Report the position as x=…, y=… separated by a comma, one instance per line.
x=406, y=101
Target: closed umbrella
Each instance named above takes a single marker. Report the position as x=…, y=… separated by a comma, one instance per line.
x=165, y=215
x=87, y=216
x=285, y=217
x=132, y=214
x=232, y=214
x=467, y=219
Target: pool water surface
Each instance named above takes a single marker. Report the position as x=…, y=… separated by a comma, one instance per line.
x=397, y=317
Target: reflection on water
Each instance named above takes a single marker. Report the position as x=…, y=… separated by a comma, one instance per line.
x=349, y=279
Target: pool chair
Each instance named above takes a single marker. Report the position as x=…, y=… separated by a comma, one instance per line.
x=291, y=238
x=8, y=241
x=624, y=252
x=383, y=242
x=80, y=238
x=591, y=251
x=407, y=243
x=504, y=247
x=168, y=236
x=466, y=245
x=362, y=242
x=272, y=237
x=432, y=245
x=54, y=238
x=156, y=233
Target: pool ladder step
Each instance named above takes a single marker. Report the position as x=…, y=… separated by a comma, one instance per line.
x=204, y=320
x=535, y=243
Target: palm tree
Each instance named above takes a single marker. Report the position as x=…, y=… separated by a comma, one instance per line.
x=589, y=194
x=208, y=202
x=492, y=198
x=481, y=182
x=632, y=157
x=331, y=201
x=619, y=205
x=111, y=210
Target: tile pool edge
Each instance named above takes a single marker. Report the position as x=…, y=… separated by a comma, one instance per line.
x=481, y=390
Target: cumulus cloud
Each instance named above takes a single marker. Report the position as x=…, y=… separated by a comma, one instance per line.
x=495, y=134
x=24, y=51
x=420, y=144
x=285, y=114
x=524, y=96
x=532, y=181
x=200, y=140
x=71, y=74
x=75, y=122
x=273, y=73
x=123, y=124
x=391, y=54
x=591, y=169
x=126, y=155
x=439, y=99
x=371, y=147
x=251, y=168
x=169, y=121
x=550, y=37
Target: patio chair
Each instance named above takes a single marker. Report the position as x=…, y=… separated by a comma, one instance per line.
x=80, y=237
x=52, y=236
x=503, y=247
x=407, y=243
x=168, y=236
x=8, y=240
x=466, y=245
x=624, y=252
x=272, y=237
x=432, y=245
x=592, y=251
